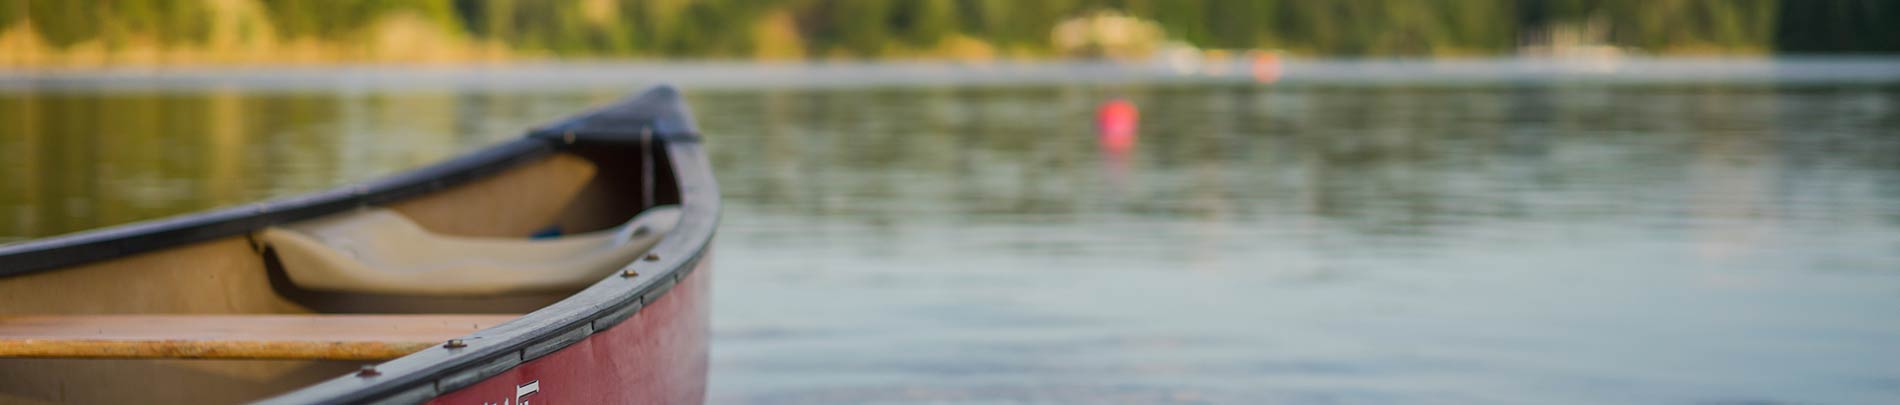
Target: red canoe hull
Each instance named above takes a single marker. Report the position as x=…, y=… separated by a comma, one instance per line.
x=658, y=356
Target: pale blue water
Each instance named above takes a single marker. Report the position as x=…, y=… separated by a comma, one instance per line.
x=1567, y=238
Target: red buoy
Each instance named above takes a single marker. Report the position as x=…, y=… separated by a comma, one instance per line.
x=1115, y=124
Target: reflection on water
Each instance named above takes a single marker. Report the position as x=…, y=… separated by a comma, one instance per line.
x=1312, y=243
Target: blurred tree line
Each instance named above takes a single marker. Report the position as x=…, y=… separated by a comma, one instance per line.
x=169, y=30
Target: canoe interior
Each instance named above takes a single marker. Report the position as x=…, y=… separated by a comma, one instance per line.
x=575, y=189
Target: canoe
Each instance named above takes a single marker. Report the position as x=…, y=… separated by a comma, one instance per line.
x=569, y=265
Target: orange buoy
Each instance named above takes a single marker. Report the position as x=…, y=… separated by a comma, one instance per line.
x=1115, y=124
x=1266, y=67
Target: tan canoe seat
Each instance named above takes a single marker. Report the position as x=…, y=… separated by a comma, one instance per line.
x=259, y=337
x=378, y=250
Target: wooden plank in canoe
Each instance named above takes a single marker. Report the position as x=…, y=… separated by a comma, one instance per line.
x=303, y=337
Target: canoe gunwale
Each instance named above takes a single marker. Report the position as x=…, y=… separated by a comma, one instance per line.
x=667, y=124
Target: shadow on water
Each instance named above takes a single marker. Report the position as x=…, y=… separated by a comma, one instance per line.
x=1320, y=242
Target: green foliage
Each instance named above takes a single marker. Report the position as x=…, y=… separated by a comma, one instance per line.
x=12, y=13
x=874, y=28
x=1860, y=26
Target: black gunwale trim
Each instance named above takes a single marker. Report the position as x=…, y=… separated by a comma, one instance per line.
x=603, y=303
x=125, y=240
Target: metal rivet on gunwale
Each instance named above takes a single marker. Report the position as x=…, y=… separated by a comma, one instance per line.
x=653, y=257
x=368, y=370
x=455, y=344
x=629, y=273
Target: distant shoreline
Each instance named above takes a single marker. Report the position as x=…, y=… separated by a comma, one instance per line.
x=252, y=33
x=728, y=74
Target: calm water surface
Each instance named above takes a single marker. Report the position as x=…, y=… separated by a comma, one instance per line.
x=1317, y=243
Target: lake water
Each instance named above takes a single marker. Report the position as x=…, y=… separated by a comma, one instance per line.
x=1561, y=238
